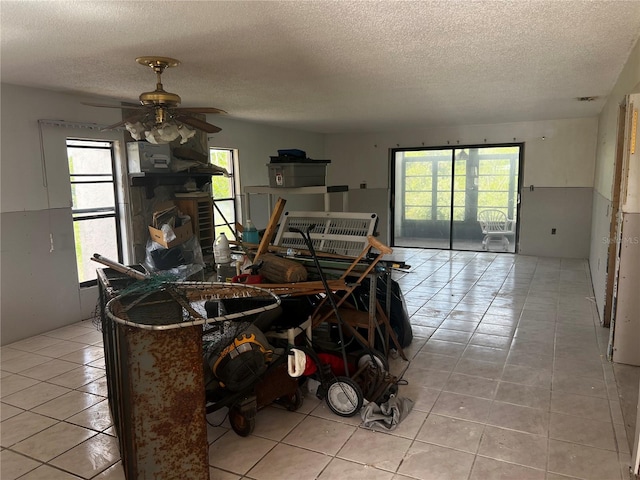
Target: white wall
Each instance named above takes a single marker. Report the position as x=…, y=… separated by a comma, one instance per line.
x=39, y=281
x=564, y=159
x=628, y=82
x=256, y=143
x=22, y=174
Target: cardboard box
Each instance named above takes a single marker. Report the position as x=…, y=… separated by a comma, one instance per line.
x=183, y=233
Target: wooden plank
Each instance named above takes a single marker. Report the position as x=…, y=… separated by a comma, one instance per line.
x=271, y=228
x=267, y=237
x=613, y=224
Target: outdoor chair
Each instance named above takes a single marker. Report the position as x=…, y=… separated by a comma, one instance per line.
x=496, y=226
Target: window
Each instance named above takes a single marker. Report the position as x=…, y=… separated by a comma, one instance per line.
x=427, y=188
x=224, y=192
x=497, y=186
x=96, y=227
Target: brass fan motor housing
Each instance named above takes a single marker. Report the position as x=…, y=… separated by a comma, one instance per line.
x=160, y=97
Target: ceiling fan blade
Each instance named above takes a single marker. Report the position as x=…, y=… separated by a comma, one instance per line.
x=199, y=110
x=123, y=105
x=199, y=124
x=130, y=119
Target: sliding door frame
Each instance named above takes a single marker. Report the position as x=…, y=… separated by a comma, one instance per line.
x=392, y=185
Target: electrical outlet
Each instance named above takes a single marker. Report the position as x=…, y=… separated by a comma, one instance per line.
x=553, y=231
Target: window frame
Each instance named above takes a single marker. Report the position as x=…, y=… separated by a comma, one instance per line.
x=99, y=212
x=398, y=192
x=234, y=187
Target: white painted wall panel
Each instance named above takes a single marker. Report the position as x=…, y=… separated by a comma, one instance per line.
x=598, y=254
x=627, y=318
x=22, y=174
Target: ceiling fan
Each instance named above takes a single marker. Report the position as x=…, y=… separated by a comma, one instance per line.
x=161, y=119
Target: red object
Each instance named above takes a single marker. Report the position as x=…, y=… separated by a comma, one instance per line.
x=247, y=278
x=310, y=367
x=334, y=361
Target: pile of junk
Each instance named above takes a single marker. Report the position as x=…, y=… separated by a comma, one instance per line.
x=313, y=311
x=322, y=335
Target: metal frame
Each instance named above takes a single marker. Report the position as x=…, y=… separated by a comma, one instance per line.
x=392, y=180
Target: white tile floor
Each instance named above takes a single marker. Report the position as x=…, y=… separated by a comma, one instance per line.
x=506, y=371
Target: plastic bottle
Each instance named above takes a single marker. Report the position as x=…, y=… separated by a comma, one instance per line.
x=250, y=233
x=225, y=268
x=221, y=249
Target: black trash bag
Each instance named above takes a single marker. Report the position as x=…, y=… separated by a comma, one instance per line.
x=398, y=318
x=167, y=258
x=295, y=311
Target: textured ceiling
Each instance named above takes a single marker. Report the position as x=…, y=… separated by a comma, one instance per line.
x=343, y=66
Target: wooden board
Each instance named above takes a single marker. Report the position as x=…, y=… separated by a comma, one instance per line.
x=271, y=228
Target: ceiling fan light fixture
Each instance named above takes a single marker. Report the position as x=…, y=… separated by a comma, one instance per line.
x=162, y=133
x=165, y=132
x=185, y=132
x=159, y=118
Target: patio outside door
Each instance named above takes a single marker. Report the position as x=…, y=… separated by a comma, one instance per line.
x=441, y=195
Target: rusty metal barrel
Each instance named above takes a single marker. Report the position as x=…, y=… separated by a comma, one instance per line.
x=160, y=384
x=155, y=375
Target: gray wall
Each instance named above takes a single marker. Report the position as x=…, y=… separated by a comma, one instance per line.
x=568, y=210
x=626, y=324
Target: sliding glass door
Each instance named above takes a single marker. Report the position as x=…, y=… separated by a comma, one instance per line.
x=456, y=198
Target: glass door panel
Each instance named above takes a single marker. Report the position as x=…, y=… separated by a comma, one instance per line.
x=498, y=196
x=423, y=198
